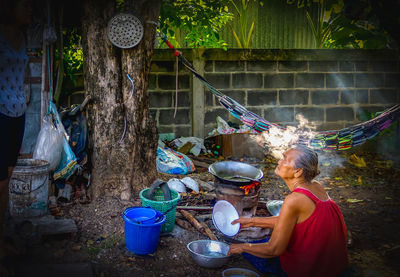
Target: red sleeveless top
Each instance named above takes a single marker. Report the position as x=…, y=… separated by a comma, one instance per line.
x=318, y=245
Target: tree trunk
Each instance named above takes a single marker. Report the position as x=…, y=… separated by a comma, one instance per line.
x=122, y=133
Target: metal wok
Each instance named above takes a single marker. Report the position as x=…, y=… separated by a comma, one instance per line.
x=236, y=173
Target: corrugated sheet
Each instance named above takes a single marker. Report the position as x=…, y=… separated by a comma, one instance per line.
x=278, y=25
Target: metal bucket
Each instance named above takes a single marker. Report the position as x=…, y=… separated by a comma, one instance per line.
x=29, y=188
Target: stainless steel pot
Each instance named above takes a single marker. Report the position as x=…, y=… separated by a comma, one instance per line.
x=209, y=253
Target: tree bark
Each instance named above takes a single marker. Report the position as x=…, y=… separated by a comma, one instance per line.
x=123, y=158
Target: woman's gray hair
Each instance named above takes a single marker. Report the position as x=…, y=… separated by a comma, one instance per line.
x=308, y=161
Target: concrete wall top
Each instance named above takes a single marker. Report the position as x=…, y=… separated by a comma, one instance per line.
x=281, y=54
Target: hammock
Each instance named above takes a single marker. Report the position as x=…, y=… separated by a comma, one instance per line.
x=324, y=140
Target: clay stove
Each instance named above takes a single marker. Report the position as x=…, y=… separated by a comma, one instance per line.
x=239, y=184
x=245, y=204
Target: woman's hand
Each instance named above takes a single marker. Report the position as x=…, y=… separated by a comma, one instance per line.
x=245, y=222
x=235, y=249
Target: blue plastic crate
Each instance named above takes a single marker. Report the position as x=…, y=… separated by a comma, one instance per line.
x=264, y=265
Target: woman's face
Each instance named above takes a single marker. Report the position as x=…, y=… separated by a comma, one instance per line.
x=23, y=12
x=285, y=168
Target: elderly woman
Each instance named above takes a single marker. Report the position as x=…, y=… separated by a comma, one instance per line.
x=309, y=235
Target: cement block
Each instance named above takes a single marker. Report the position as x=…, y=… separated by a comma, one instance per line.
x=361, y=65
x=339, y=114
x=209, y=66
x=361, y=96
x=168, y=82
x=293, y=97
x=262, y=66
x=183, y=99
x=229, y=66
x=348, y=97
x=218, y=80
x=162, y=66
x=309, y=80
x=392, y=80
x=279, y=80
x=292, y=66
x=160, y=99
x=166, y=117
x=311, y=114
x=237, y=95
x=279, y=115
x=369, y=80
x=209, y=99
x=211, y=116
x=323, y=66
x=346, y=66
x=321, y=97
x=262, y=97
x=183, y=131
x=383, y=96
x=339, y=80
x=247, y=80
x=152, y=81
x=384, y=66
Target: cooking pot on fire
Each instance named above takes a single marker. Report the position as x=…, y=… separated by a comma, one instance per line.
x=235, y=172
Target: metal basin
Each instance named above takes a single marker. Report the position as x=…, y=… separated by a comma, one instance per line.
x=209, y=253
x=230, y=172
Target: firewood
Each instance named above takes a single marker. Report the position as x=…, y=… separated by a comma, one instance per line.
x=193, y=221
x=184, y=224
x=208, y=232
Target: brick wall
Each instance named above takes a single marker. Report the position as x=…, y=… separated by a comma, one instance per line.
x=333, y=88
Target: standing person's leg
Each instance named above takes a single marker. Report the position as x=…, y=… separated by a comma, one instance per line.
x=10, y=144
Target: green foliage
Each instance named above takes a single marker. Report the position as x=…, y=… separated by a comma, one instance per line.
x=245, y=36
x=194, y=23
x=333, y=29
x=73, y=54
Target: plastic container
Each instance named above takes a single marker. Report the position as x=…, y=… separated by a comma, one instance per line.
x=29, y=186
x=162, y=206
x=142, y=239
x=141, y=215
x=264, y=265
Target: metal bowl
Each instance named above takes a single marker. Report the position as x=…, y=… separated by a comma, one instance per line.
x=209, y=253
x=274, y=207
x=230, y=171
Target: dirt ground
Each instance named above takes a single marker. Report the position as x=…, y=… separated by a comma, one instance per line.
x=368, y=197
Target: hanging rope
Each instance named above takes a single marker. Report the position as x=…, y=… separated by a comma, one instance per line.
x=325, y=140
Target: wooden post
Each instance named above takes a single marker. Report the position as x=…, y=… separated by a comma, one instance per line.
x=198, y=95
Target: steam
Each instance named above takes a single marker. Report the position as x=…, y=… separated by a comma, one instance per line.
x=276, y=140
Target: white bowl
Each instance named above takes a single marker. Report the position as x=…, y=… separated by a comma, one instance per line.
x=274, y=207
x=176, y=185
x=223, y=215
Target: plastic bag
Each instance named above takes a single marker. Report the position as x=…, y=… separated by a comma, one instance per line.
x=172, y=162
x=197, y=142
x=68, y=163
x=49, y=143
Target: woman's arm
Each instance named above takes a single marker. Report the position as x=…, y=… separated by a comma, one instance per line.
x=263, y=222
x=280, y=237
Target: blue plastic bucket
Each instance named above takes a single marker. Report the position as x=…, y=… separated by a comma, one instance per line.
x=141, y=215
x=143, y=239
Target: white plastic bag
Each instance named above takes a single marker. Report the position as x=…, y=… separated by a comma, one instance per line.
x=49, y=143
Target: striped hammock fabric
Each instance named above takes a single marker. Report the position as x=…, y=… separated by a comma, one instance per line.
x=323, y=140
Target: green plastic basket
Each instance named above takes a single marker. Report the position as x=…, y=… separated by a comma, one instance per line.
x=162, y=206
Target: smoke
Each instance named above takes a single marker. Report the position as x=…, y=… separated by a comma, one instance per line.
x=277, y=140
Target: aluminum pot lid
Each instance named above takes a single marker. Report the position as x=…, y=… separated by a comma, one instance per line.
x=125, y=30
